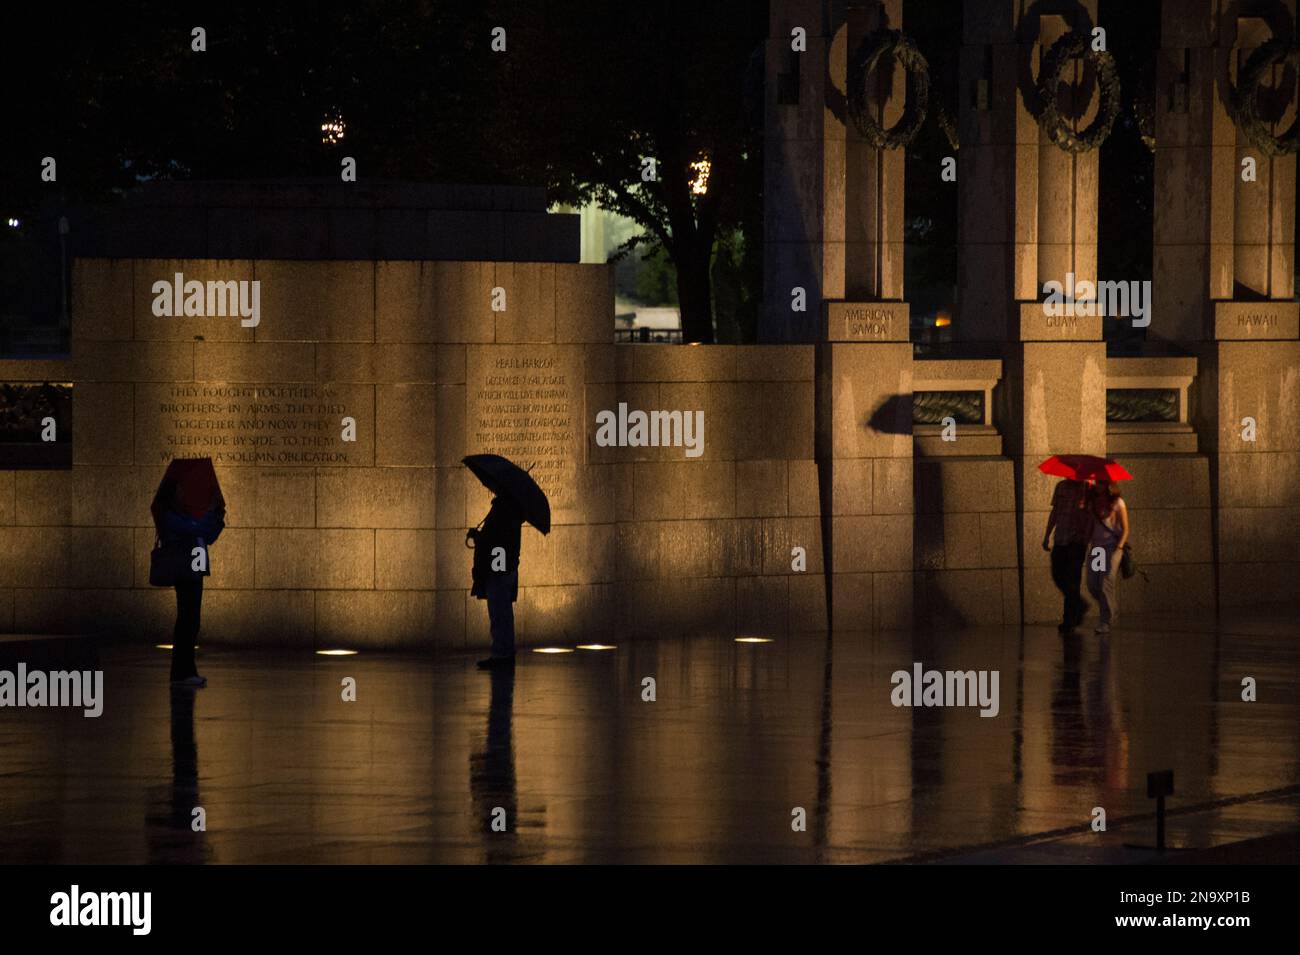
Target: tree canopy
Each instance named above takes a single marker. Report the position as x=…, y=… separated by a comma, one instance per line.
x=582, y=92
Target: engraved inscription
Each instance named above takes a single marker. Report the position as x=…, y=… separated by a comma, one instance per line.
x=251, y=424
x=862, y=322
x=1242, y=320
x=522, y=407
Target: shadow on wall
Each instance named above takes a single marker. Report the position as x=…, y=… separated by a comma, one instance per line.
x=931, y=607
x=894, y=416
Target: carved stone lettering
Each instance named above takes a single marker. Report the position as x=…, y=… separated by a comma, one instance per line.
x=524, y=402
x=244, y=424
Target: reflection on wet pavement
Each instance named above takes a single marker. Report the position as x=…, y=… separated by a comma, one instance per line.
x=564, y=761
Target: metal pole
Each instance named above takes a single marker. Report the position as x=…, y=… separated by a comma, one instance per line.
x=1160, y=823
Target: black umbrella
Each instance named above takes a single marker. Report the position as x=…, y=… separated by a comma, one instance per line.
x=503, y=476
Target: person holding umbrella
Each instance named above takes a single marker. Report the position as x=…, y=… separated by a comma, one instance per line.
x=189, y=514
x=1073, y=519
x=1066, y=538
x=496, y=544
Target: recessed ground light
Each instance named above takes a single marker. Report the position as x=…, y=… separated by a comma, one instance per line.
x=336, y=653
x=168, y=646
x=596, y=646
x=754, y=640
x=552, y=649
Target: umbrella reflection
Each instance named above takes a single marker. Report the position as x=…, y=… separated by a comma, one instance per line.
x=171, y=835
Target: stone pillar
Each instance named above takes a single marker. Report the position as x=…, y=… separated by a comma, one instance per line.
x=833, y=203
x=863, y=259
x=1028, y=215
x=1224, y=284
x=795, y=129
x=864, y=461
x=1220, y=240
x=865, y=363
x=834, y=227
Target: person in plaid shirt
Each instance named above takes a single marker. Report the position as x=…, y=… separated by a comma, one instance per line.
x=1070, y=522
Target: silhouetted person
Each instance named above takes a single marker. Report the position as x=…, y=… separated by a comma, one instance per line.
x=1070, y=521
x=181, y=521
x=496, y=575
x=1110, y=533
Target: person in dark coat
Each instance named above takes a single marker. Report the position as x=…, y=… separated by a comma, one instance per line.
x=496, y=575
x=180, y=516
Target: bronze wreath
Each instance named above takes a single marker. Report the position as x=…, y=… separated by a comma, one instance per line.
x=1247, y=99
x=885, y=43
x=1071, y=46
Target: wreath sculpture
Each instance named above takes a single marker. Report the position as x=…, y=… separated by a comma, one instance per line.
x=888, y=43
x=1076, y=45
x=1247, y=99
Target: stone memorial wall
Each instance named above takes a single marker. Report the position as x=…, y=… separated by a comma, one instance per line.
x=337, y=424
x=365, y=346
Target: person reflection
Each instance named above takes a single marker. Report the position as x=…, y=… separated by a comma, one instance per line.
x=172, y=836
x=1108, y=722
x=492, y=771
x=1073, y=755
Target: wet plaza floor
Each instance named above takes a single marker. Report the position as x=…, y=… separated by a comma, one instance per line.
x=739, y=738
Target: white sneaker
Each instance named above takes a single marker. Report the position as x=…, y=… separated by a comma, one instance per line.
x=1102, y=629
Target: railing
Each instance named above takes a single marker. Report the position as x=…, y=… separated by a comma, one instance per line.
x=952, y=406
x=653, y=336
x=1148, y=405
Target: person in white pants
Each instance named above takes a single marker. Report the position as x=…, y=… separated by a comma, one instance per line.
x=1110, y=530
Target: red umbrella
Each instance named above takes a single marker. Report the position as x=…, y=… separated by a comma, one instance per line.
x=1084, y=467
x=197, y=487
